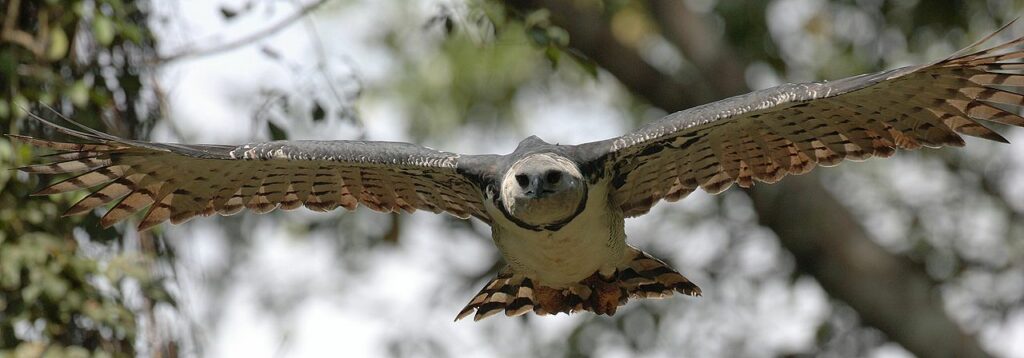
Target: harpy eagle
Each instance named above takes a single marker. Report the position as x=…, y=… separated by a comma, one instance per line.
x=557, y=212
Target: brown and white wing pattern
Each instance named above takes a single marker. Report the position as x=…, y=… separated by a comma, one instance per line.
x=790, y=129
x=177, y=182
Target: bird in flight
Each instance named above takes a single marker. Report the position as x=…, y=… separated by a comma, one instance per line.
x=557, y=212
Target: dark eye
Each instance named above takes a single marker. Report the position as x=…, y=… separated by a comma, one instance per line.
x=522, y=180
x=553, y=176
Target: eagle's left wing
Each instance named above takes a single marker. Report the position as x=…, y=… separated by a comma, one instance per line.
x=180, y=181
x=790, y=129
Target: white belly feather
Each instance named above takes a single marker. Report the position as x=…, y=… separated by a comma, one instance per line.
x=594, y=241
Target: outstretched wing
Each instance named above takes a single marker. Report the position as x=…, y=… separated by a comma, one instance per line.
x=178, y=182
x=790, y=129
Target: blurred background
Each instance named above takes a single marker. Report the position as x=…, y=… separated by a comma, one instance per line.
x=917, y=255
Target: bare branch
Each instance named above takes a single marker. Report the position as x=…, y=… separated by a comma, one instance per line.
x=10, y=34
x=707, y=50
x=255, y=36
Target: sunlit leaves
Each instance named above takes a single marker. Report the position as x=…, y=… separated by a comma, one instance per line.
x=103, y=29
x=78, y=93
x=131, y=32
x=553, y=40
x=19, y=106
x=58, y=44
x=68, y=301
x=478, y=69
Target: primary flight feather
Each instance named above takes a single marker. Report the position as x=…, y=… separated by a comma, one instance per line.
x=557, y=211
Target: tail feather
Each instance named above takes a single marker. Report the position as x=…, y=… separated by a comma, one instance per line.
x=507, y=292
x=642, y=277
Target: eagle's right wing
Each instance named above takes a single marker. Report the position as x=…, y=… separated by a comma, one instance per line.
x=793, y=128
x=179, y=181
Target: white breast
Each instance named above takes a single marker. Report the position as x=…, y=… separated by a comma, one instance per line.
x=593, y=241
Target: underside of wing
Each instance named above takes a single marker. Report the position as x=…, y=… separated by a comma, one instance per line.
x=790, y=129
x=177, y=182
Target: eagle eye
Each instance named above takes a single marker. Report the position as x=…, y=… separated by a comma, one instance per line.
x=522, y=180
x=553, y=176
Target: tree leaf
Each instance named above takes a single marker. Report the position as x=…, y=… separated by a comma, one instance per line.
x=227, y=13
x=131, y=32
x=276, y=133
x=559, y=36
x=78, y=93
x=585, y=62
x=449, y=25
x=58, y=45
x=103, y=29
x=538, y=35
x=552, y=53
x=270, y=53
x=538, y=18
x=318, y=112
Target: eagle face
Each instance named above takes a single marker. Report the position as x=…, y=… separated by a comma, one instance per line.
x=543, y=188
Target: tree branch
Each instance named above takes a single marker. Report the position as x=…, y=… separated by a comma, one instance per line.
x=8, y=33
x=255, y=36
x=706, y=50
x=592, y=36
x=889, y=292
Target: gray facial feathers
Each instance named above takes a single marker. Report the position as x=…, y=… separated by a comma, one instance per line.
x=543, y=190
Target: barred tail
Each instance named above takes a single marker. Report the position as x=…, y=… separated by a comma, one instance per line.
x=643, y=277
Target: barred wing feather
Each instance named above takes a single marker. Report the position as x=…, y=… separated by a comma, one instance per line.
x=790, y=129
x=178, y=182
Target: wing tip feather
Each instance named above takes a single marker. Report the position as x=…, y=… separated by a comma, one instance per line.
x=998, y=138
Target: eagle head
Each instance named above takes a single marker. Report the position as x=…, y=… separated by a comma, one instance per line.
x=542, y=189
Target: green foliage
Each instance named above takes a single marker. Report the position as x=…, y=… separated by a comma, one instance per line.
x=458, y=80
x=65, y=283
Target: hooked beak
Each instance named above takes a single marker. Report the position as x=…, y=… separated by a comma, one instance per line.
x=536, y=189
